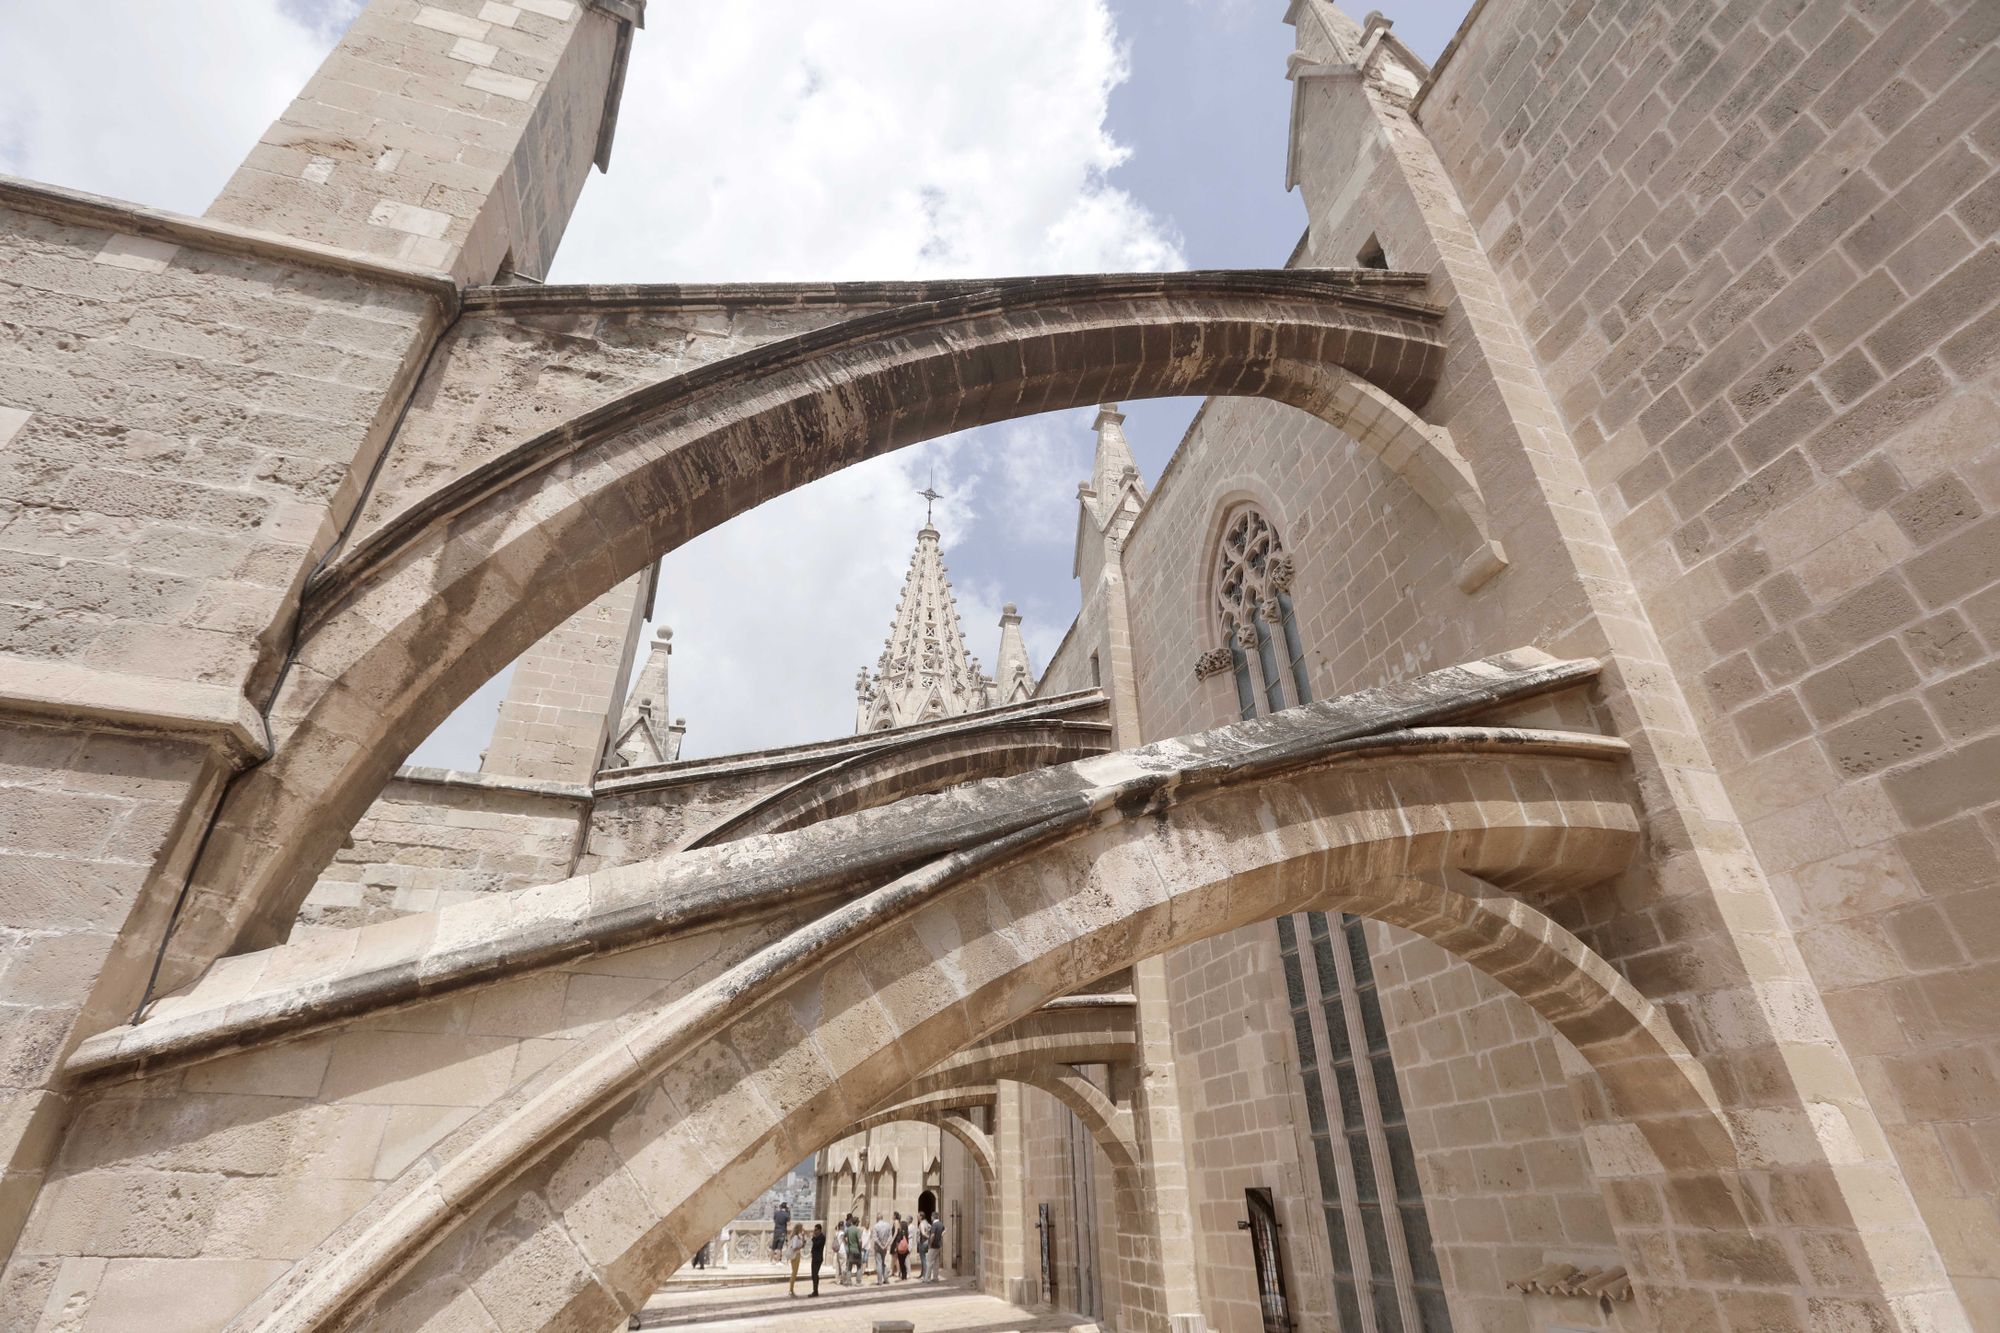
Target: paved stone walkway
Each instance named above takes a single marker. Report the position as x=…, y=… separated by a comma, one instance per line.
x=947, y=1307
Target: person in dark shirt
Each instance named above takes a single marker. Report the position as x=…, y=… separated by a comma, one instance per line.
x=818, y=1253
x=781, y=1222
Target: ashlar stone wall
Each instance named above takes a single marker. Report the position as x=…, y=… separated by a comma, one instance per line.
x=210, y=1180
x=434, y=838
x=1374, y=609
x=1757, y=246
x=181, y=410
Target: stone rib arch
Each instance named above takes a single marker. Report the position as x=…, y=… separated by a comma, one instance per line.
x=978, y=1145
x=437, y=601
x=664, y=1123
x=926, y=1107
x=919, y=765
x=1108, y=1123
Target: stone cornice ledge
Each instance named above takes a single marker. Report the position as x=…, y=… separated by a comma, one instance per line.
x=1395, y=290
x=285, y=991
x=1094, y=1000
x=818, y=754
x=115, y=701
x=96, y=210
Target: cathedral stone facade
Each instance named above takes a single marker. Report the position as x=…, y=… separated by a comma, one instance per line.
x=1508, y=842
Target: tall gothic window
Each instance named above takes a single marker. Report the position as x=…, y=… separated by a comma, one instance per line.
x=1253, y=581
x=1376, y=1226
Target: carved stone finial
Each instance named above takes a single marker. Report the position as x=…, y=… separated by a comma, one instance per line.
x=1212, y=663
x=1279, y=571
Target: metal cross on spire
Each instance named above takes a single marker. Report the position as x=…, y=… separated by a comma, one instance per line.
x=931, y=497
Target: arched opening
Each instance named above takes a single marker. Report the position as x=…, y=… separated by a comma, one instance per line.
x=443, y=595
x=940, y=950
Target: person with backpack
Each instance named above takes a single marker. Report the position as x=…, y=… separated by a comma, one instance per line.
x=852, y=1239
x=781, y=1222
x=937, y=1248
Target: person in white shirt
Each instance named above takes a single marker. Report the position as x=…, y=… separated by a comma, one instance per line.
x=795, y=1248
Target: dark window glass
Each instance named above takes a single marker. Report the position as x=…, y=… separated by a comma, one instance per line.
x=1336, y=1232
x=1294, y=650
x=1246, y=694
x=1323, y=1158
x=1348, y=1301
x=1267, y=656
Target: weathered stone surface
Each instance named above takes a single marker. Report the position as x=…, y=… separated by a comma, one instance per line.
x=1671, y=345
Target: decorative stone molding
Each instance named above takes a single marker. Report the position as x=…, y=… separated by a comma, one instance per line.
x=1604, y=1285
x=89, y=698
x=1279, y=571
x=119, y=217
x=1214, y=662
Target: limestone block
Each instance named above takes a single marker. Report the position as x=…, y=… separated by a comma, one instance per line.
x=160, y=1214
x=418, y=1069
x=409, y=1133
x=139, y=253
x=291, y=1069
x=206, y=1293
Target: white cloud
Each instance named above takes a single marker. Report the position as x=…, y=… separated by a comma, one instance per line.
x=875, y=139
x=870, y=139
x=148, y=101
x=788, y=140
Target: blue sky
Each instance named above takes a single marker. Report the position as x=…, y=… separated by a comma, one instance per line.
x=789, y=140
x=1206, y=110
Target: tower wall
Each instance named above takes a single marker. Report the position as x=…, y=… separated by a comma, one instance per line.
x=567, y=691
x=188, y=416
x=1758, y=249
x=452, y=134
x=1498, y=1116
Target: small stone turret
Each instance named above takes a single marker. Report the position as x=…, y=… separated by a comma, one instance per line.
x=644, y=734
x=1013, y=682
x=1114, y=468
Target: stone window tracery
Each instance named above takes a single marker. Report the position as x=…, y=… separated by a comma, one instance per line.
x=1253, y=592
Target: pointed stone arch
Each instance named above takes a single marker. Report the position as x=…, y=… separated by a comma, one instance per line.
x=928, y=1106
x=434, y=602
x=978, y=1145
x=600, y=1167
x=920, y=764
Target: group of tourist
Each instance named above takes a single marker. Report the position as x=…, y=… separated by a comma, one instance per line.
x=887, y=1245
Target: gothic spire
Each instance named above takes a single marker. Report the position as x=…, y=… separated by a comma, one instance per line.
x=925, y=671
